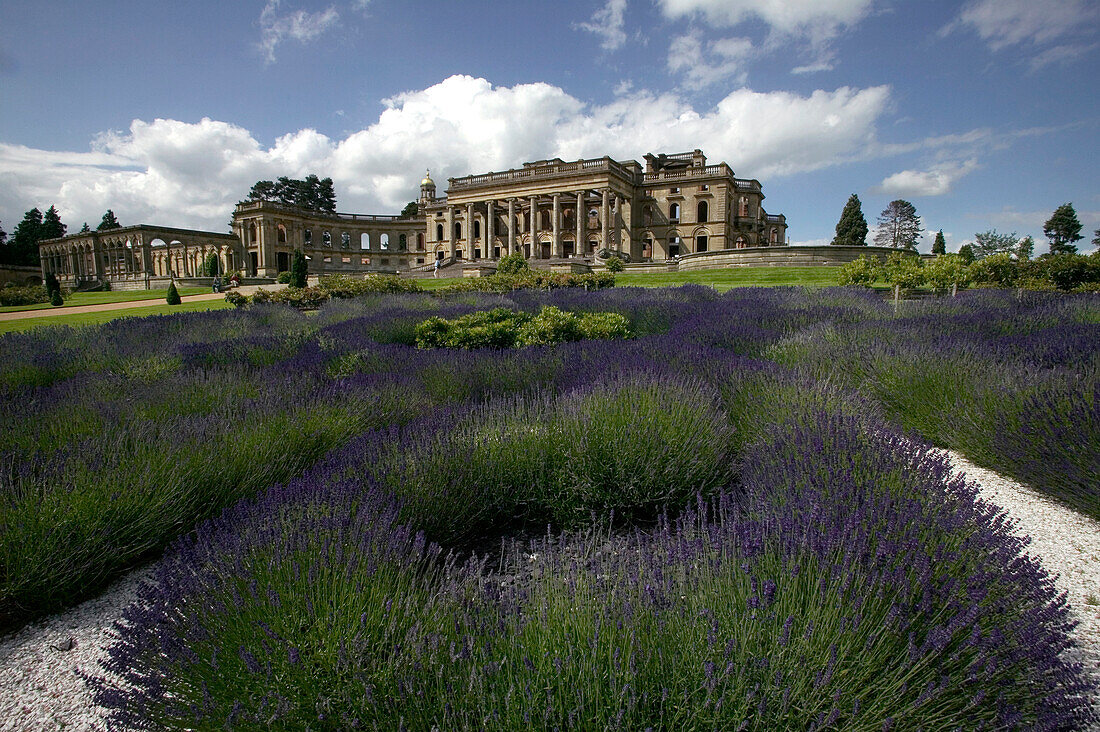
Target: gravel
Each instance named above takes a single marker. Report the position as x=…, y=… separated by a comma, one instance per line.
x=40, y=688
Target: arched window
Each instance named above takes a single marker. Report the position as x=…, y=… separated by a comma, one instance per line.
x=477, y=229
x=674, y=212
x=702, y=211
x=252, y=233
x=326, y=239
x=309, y=237
x=544, y=220
x=364, y=240
x=775, y=236
x=282, y=234
x=384, y=241
x=345, y=240
x=740, y=242
x=439, y=232
x=458, y=230
x=647, y=214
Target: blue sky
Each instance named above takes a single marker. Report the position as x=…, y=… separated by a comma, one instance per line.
x=983, y=113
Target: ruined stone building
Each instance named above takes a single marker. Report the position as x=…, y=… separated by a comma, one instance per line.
x=550, y=210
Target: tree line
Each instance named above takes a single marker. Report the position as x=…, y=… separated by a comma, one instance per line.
x=899, y=227
x=22, y=248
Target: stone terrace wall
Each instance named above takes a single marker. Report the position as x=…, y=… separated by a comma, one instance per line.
x=781, y=257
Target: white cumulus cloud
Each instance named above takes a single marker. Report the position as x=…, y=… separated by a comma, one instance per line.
x=190, y=174
x=935, y=181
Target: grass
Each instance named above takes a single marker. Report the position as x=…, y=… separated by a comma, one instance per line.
x=719, y=279
x=80, y=299
x=78, y=319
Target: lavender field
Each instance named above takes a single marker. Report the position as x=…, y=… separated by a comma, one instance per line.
x=733, y=519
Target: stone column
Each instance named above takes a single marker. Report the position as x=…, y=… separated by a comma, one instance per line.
x=511, y=226
x=535, y=246
x=450, y=217
x=605, y=219
x=582, y=217
x=470, y=231
x=628, y=227
x=555, y=246
x=487, y=235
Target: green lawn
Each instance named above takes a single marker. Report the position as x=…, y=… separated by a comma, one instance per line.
x=75, y=319
x=719, y=279
x=98, y=298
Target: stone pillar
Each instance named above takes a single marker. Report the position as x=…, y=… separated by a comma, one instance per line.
x=470, y=231
x=535, y=246
x=605, y=219
x=450, y=231
x=628, y=227
x=487, y=235
x=582, y=217
x=555, y=246
x=511, y=226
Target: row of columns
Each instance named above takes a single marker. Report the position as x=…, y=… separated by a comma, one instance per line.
x=556, y=233
x=139, y=259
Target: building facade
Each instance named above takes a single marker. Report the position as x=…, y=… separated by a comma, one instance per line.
x=674, y=206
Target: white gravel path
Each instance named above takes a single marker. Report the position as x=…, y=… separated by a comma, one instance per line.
x=40, y=689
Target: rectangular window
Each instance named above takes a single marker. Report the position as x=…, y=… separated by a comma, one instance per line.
x=345, y=260
x=365, y=260
x=674, y=190
x=700, y=243
x=328, y=259
x=704, y=187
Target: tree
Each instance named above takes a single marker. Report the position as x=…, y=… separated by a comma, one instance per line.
x=109, y=222
x=946, y=272
x=313, y=193
x=84, y=229
x=52, y=284
x=1025, y=249
x=990, y=242
x=23, y=247
x=966, y=253
x=1095, y=238
x=1063, y=229
x=173, y=297
x=211, y=266
x=898, y=226
x=3, y=236
x=939, y=246
x=861, y=272
x=903, y=271
x=299, y=268
x=52, y=228
x=410, y=210
x=511, y=264
x=851, y=230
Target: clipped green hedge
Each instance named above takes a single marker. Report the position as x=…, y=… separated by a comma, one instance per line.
x=504, y=328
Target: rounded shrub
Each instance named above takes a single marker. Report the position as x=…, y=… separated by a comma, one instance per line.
x=55, y=298
x=283, y=278
x=615, y=264
x=512, y=264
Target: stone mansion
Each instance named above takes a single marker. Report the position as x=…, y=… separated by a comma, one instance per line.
x=549, y=210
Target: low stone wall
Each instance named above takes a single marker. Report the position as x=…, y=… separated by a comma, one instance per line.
x=824, y=256
x=20, y=275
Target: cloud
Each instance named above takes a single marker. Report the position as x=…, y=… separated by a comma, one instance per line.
x=187, y=174
x=608, y=22
x=1005, y=23
x=704, y=63
x=808, y=25
x=297, y=26
x=933, y=182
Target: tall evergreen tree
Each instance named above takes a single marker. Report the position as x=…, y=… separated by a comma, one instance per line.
x=109, y=222
x=1063, y=228
x=898, y=226
x=1025, y=249
x=22, y=249
x=84, y=229
x=299, y=268
x=313, y=193
x=939, y=246
x=52, y=228
x=851, y=230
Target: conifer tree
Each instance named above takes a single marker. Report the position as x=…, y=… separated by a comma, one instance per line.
x=1063, y=228
x=52, y=228
x=299, y=268
x=939, y=246
x=85, y=228
x=173, y=297
x=23, y=247
x=898, y=226
x=109, y=222
x=851, y=230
